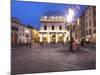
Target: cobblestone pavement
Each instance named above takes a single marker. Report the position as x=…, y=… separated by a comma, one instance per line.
x=50, y=58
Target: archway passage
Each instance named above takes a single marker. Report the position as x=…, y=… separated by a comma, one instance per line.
x=45, y=40
x=60, y=39
x=53, y=38
x=14, y=38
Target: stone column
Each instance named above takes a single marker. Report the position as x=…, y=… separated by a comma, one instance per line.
x=41, y=38
x=56, y=37
x=48, y=38
x=64, y=38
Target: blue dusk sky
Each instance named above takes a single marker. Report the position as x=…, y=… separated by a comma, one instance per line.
x=30, y=12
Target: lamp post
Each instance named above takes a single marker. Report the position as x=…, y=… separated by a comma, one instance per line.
x=69, y=20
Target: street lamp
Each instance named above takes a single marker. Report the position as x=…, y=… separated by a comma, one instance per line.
x=69, y=19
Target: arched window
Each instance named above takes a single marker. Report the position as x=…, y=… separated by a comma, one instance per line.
x=60, y=27
x=52, y=27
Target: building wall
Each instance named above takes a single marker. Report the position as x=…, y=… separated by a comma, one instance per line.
x=90, y=23
x=53, y=30
x=56, y=26
x=82, y=25
x=35, y=36
x=24, y=35
x=77, y=30
x=15, y=24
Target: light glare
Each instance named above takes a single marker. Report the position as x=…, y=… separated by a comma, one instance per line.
x=70, y=15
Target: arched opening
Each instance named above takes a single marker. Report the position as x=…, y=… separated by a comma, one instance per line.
x=14, y=38
x=53, y=38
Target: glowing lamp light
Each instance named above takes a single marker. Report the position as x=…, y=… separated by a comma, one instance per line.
x=45, y=35
x=71, y=12
x=26, y=31
x=87, y=39
x=60, y=34
x=78, y=21
x=70, y=15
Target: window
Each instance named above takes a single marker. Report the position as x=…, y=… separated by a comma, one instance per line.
x=89, y=8
x=94, y=30
x=68, y=28
x=60, y=27
x=86, y=16
x=86, y=32
x=23, y=34
x=52, y=27
x=94, y=12
x=45, y=27
x=89, y=14
x=86, y=25
x=90, y=31
x=20, y=34
x=20, y=29
x=23, y=30
x=94, y=23
x=90, y=22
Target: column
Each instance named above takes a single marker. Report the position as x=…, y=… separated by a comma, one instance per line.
x=41, y=37
x=56, y=37
x=48, y=38
x=64, y=38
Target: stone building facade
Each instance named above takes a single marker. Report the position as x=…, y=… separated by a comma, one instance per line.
x=88, y=24
x=53, y=29
x=24, y=35
x=15, y=24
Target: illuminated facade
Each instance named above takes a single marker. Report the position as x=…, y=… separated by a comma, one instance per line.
x=24, y=35
x=88, y=24
x=53, y=29
x=35, y=36
x=77, y=29
x=15, y=24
